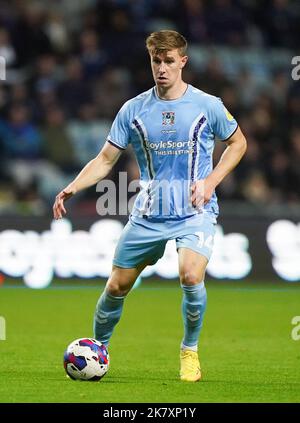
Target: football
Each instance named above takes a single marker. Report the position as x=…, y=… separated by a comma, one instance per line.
x=86, y=359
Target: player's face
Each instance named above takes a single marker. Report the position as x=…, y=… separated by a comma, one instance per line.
x=167, y=68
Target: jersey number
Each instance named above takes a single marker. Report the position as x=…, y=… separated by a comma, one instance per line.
x=208, y=242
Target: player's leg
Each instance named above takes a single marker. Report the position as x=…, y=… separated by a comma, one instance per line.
x=110, y=304
x=192, y=267
x=192, y=270
x=140, y=244
x=194, y=241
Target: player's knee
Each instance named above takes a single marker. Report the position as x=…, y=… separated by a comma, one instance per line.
x=118, y=288
x=189, y=278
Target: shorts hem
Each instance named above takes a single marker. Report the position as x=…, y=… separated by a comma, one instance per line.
x=126, y=265
x=207, y=256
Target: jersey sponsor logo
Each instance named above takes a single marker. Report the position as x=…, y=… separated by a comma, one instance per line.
x=171, y=147
x=156, y=145
x=168, y=118
x=168, y=131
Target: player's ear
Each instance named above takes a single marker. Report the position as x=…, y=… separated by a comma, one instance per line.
x=184, y=59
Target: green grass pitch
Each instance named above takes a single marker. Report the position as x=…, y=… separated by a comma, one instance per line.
x=246, y=350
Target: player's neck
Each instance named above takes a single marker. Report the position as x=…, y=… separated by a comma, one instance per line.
x=172, y=93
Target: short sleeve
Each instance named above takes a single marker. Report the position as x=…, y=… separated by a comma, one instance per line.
x=222, y=122
x=119, y=134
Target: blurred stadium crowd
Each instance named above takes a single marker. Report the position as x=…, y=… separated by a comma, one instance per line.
x=71, y=64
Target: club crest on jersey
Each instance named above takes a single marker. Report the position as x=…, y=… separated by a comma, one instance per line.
x=168, y=118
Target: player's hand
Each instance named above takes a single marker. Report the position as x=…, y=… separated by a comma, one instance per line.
x=202, y=192
x=58, y=207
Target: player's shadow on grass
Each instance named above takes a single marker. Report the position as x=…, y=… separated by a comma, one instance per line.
x=248, y=383
x=142, y=379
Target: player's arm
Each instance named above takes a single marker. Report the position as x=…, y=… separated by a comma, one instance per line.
x=93, y=172
x=236, y=148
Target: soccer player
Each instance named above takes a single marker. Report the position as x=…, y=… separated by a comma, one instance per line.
x=172, y=128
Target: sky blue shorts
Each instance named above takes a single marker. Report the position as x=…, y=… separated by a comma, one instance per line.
x=144, y=241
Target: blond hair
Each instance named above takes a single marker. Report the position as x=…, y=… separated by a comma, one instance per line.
x=162, y=41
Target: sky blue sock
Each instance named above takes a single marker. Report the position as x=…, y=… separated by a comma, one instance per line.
x=107, y=315
x=193, y=308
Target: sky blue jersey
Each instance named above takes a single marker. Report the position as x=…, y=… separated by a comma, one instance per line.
x=173, y=141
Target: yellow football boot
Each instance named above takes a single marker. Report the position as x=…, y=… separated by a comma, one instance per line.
x=190, y=370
